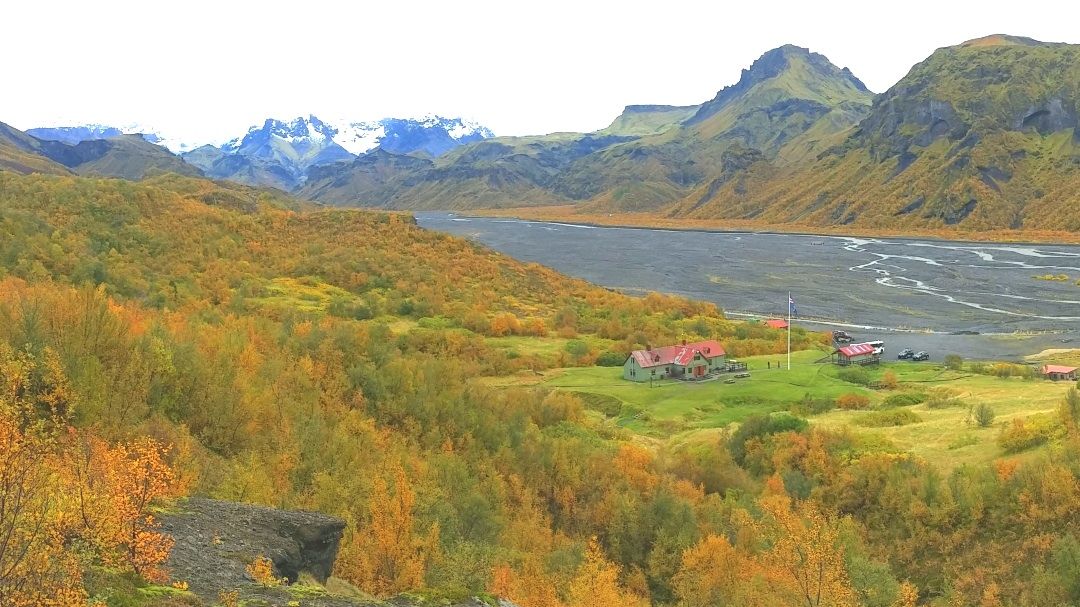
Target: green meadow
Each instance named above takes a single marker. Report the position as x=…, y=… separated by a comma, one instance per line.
x=945, y=434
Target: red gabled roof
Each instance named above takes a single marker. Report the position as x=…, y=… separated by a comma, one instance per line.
x=776, y=323
x=1048, y=369
x=856, y=350
x=677, y=355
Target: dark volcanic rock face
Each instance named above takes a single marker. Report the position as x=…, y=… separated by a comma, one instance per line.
x=216, y=540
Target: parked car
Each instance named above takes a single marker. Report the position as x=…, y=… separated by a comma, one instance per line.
x=841, y=337
x=729, y=380
x=905, y=354
x=743, y=374
x=921, y=356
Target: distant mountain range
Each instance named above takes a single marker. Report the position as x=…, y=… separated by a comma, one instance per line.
x=279, y=153
x=981, y=135
x=125, y=156
x=790, y=105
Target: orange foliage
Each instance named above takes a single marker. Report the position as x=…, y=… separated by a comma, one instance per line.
x=597, y=583
x=111, y=489
x=387, y=556
x=852, y=400
x=805, y=552
x=261, y=571
x=635, y=463
x=532, y=587
x=35, y=568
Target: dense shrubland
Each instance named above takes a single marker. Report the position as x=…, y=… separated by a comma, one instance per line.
x=154, y=345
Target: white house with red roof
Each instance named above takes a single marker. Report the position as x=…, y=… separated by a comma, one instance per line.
x=694, y=360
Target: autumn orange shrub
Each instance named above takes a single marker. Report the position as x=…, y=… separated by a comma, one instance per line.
x=385, y=556
x=36, y=569
x=261, y=571
x=596, y=583
x=229, y=598
x=110, y=489
x=851, y=401
x=532, y=587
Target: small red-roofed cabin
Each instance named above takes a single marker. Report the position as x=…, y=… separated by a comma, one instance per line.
x=776, y=323
x=694, y=360
x=1059, y=373
x=858, y=354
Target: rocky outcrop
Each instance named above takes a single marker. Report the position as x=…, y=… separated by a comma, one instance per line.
x=217, y=540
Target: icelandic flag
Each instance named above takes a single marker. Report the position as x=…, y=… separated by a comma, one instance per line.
x=791, y=307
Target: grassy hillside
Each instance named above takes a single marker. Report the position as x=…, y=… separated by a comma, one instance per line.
x=641, y=120
x=21, y=153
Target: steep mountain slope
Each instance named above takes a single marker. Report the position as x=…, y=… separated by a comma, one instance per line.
x=428, y=136
x=73, y=135
x=641, y=120
x=22, y=153
x=501, y=172
x=982, y=135
x=280, y=154
x=790, y=104
x=127, y=156
x=277, y=153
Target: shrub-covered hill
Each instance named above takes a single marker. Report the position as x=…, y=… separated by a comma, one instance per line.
x=178, y=337
x=278, y=353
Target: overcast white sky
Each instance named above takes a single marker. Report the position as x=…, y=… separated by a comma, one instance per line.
x=210, y=68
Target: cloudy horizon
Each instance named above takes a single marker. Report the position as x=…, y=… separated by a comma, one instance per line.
x=210, y=70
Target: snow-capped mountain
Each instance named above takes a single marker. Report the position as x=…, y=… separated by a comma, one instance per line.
x=73, y=135
x=433, y=135
x=279, y=153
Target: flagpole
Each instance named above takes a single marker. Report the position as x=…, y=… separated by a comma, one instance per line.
x=789, y=330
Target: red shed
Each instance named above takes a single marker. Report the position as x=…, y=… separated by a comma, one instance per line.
x=1059, y=372
x=858, y=354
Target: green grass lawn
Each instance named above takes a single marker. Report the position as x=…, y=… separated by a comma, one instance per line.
x=944, y=436
x=671, y=406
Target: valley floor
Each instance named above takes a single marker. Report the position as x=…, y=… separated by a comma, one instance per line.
x=571, y=214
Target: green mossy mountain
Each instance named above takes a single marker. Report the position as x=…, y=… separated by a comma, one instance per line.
x=25, y=154
x=126, y=156
x=788, y=104
x=982, y=135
